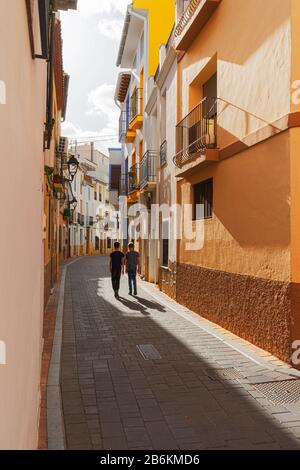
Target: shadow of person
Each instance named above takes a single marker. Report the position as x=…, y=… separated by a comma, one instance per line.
x=149, y=304
x=135, y=306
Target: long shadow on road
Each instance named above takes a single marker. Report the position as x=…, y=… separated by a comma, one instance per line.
x=115, y=399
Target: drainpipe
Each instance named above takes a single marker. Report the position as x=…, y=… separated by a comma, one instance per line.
x=117, y=103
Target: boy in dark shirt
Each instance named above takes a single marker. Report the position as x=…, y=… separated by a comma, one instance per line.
x=132, y=263
x=117, y=260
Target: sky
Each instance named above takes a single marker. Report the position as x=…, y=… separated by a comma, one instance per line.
x=91, y=38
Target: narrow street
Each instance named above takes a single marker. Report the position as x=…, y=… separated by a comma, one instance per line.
x=114, y=398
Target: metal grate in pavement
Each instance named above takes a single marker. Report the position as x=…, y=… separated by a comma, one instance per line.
x=230, y=373
x=149, y=352
x=280, y=393
x=227, y=373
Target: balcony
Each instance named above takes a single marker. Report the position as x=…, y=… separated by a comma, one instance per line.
x=148, y=169
x=123, y=185
x=193, y=19
x=163, y=153
x=122, y=126
x=65, y=4
x=136, y=110
x=134, y=179
x=80, y=219
x=125, y=134
x=196, y=137
x=59, y=183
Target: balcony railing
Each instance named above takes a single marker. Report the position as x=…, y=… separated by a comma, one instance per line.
x=187, y=16
x=163, y=153
x=136, y=104
x=80, y=219
x=148, y=168
x=123, y=125
x=196, y=132
x=134, y=179
x=123, y=186
x=193, y=19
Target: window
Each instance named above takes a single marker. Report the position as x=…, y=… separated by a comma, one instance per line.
x=109, y=243
x=210, y=91
x=203, y=200
x=165, y=243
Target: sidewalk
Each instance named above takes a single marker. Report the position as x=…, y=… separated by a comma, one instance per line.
x=145, y=373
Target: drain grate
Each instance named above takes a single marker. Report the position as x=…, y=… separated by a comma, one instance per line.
x=149, y=352
x=280, y=393
x=230, y=373
x=227, y=373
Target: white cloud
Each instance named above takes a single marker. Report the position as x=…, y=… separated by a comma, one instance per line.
x=96, y=7
x=101, y=101
x=101, y=104
x=111, y=29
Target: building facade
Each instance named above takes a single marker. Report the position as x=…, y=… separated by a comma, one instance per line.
x=25, y=31
x=219, y=118
x=161, y=115
x=237, y=140
x=142, y=37
x=89, y=217
x=56, y=155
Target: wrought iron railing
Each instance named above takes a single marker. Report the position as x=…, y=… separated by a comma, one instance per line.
x=134, y=178
x=148, y=168
x=80, y=219
x=123, y=185
x=187, y=16
x=123, y=125
x=136, y=104
x=196, y=132
x=163, y=153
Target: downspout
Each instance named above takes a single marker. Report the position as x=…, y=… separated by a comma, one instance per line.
x=49, y=120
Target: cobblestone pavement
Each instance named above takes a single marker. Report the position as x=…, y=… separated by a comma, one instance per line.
x=113, y=398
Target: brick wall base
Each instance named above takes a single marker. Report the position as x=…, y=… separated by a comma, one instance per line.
x=167, y=282
x=258, y=310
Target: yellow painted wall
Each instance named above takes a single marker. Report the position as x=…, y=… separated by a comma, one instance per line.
x=161, y=21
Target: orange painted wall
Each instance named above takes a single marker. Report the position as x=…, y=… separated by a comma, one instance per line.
x=253, y=64
x=250, y=231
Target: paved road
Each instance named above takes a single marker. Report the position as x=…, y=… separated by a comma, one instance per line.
x=113, y=398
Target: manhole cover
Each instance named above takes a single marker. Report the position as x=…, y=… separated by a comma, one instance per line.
x=148, y=352
x=280, y=393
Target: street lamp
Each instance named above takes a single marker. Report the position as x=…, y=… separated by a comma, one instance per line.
x=73, y=165
x=73, y=202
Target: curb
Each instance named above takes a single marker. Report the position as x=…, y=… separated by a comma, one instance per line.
x=55, y=420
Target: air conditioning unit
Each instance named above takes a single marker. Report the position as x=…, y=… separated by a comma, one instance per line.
x=63, y=145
